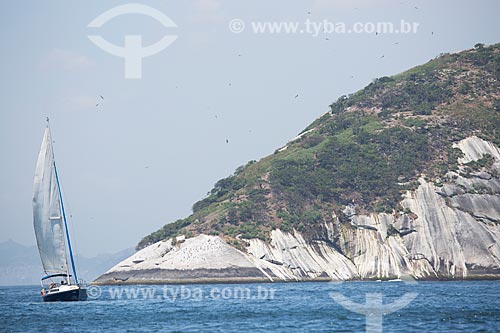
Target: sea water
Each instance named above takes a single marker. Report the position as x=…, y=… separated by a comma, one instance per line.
x=470, y=306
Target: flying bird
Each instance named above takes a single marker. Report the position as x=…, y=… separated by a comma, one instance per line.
x=97, y=105
x=101, y=97
x=227, y=140
x=382, y=56
x=296, y=96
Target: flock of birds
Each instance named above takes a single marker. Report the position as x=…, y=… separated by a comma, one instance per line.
x=296, y=95
x=376, y=32
x=101, y=97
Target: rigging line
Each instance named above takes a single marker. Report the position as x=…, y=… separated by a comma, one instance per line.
x=76, y=251
x=71, y=225
x=62, y=208
x=66, y=226
x=75, y=248
x=51, y=145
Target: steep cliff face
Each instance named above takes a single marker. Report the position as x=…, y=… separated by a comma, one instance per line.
x=401, y=177
x=446, y=231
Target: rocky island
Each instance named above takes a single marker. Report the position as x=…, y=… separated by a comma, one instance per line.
x=399, y=178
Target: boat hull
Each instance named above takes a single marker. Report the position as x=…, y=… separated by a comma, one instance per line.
x=66, y=295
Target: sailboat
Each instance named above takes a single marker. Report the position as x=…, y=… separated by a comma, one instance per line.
x=51, y=230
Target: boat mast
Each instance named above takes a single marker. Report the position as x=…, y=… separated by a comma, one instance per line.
x=64, y=216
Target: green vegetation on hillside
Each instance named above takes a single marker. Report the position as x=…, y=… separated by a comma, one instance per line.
x=368, y=150
x=363, y=168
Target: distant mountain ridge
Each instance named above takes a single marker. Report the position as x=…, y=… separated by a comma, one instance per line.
x=20, y=264
x=399, y=178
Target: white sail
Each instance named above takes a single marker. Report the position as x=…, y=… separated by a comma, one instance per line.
x=47, y=219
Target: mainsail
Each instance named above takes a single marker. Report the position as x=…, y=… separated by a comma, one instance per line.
x=47, y=218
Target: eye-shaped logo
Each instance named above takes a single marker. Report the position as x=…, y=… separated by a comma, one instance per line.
x=132, y=51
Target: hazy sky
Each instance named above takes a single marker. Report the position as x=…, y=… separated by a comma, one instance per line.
x=156, y=145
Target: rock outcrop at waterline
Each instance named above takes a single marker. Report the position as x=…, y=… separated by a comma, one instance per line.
x=448, y=230
x=401, y=177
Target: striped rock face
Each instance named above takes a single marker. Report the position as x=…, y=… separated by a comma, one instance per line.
x=449, y=230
